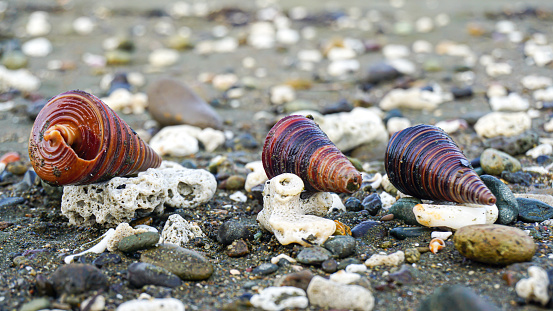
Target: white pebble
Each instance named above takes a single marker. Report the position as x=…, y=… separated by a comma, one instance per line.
x=38, y=47
x=313, y=56
x=278, y=298
x=548, y=126
x=277, y=258
x=392, y=51
x=454, y=216
x=415, y=98
x=505, y=26
x=331, y=295
x=287, y=36
x=340, y=53
x=444, y=235
x=496, y=90
x=393, y=259
x=422, y=46
x=356, y=268
x=539, y=150
x=163, y=57
x=83, y=25
x=424, y=24
x=281, y=94
x=502, y=123
x=342, y=67
x=498, y=69
x=452, y=126
x=403, y=65
x=395, y=124
x=262, y=35
x=534, y=82
x=224, y=81
x=38, y=24
x=511, y=102
x=238, y=196
x=344, y=277
x=156, y=304
x=544, y=95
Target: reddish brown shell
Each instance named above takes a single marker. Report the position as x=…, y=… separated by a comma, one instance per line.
x=424, y=162
x=77, y=139
x=297, y=145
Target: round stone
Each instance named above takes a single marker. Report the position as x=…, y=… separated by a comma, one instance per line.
x=372, y=204
x=494, y=162
x=329, y=266
x=186, y=264
x=353, y=204
x=137, y=242
x=314, y=255
x=494, y=244
x=455, y=298
x=77, y=279
x=403, y=210
x=234, y=230
x=340, y=246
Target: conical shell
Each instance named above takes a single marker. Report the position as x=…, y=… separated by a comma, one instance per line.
x=424, y=162
x=77, y=139
x=297, y=145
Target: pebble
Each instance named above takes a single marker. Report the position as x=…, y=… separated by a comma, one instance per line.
x=507, y=206
x=502, y=123
x=314, y=255
x=171, y=102
x=94, y=303
x=533, y=82
x=328, y=294
x=393, y=51
x=403, y=210
x=455, y=298
x=514, y=145
x=38, y=47
x=393, y=259
x=280, y=94
x=329, y=265
x=401, y=233
x=342, y=67
x=36, y=304
x=185, y=263
x=137, y=242
x=511, y=102
x=77, y=279
x=494, y=244
x=461, y=92
x=369, y=229
x=412, y=255
x=356, y=268
x=299, y=279
x=415, y=98
x=155, y=304
x=232, y=230
x=38, y=24
x=406, y=275
x=279, y=298
x=118, y=57
x=494, y=162
x=396, y=124
x=340, y=246
x=83, y=25
x=344, y=277
x=163, y=57
x=140, y=274
x=106, y=259
x=531, y=210
x=244, y=141
x=11, y=201
x=353, y=204
x=372, y=204
x=381, y=72
x=519, y=177
x=265, y=268
x=14, y=60
x=540, y=150
x=34, y=108
x=238, y=248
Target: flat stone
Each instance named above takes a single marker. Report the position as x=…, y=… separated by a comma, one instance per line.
x=232, y=230
x=514, y=145
x=187, y=264
x=137, y=242
x=106, y=259
x=403, y=210
x=401, y=233
x=353, y=204
x=369, y=228
x=11, y=201
x=455, y=298
x=36, y=304
x=299, y=279
x=494, y=244
x=238, y=248
x=531, y=210
x=519, y=177
x=314, y=255
x=329, y=265
x=77, y=279
x=506, y=203
x=340, y=246
x=141, y=273
x=494, y=162
x=265, y=269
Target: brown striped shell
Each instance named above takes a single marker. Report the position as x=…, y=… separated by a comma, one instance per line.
x=77, y=139
x=297, y=145
x=424, y=162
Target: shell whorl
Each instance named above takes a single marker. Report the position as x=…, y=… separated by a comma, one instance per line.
x=424, y=162
x=77, y=139
x=297, y=145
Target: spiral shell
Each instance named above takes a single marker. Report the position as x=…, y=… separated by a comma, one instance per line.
x=77, y=139
x=297, y=145
x=424, y=162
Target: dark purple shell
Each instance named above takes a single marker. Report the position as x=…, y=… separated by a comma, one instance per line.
x=424, y=162
x=297, y=145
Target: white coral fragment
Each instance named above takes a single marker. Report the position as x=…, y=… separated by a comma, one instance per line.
x=182, y=140
x=534, y=288
x=179, y=231
x=279, y=298
x=120, y=199
x=256, y=176
x=332, y=295
x=290, y=217
x=415, y=98
x=393, y=259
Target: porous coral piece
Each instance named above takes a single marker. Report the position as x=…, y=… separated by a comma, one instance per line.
x=393, y=259
x=256, y=176
x=328, y=294
x=535, y=287
x=182, y=140
x=179, y=231
x=120, y=199
x=291, y=218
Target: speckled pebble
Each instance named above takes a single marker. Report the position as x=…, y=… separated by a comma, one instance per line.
x=185, y=263
x=401, y=233
x=506, y=203
x=372, y=204
x=141, y=273
x=494, y=244
x=353, y=204
x=137, y=242
x=340, y=246
x=494, y=162
x=314, y=255
x=78, y=279
x=329, y=266
x=232, y=230
x=531, y=210
x=403, y=210
x=455, y=298
x=519, y=177
x=238, y=248
x=412, y=255
x=265, y=268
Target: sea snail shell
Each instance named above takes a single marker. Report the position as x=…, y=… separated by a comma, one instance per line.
x=297, y=145
x=424, y=162
x=77, y=139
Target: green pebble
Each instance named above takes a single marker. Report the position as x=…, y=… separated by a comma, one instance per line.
x=138, y=241
x=14, y=60
x=403, y=210
x=187, y=264
x=36, y=304
x=494, y=162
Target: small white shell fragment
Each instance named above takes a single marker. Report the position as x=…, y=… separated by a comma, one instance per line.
x=533, y=82
x=256, y=176
x=38, y=47
x=502, y=123
x=163, y=57
x=424, y=24
x=356, y=268
x=444, y=235
x=496, y=90
x=281, y=94
x=291, y=218
x=455, y=216
x=262, y=35
x=122, y=231
x=393, y=259
x=279, y=298
x=344, y=277
x=179, y=231
x=98, y=248
x=392, y=51
x=387, y=200
x=415, y=98
x=224, y=81
x=396, y=124
x=422, y=46
x=403, y=65
x=511, y=102
x=110, y=203
x=313, y=56
x=548, y=126
x=505, y=26
x=337, y=203
x=539, y=150
x=535, y=287
x=238, y=196
x=287, y=36
x=21, y=79
x=156, y=304
x=332, y=295
x=340, y=53
x=375, y=181
x=94, y=303
x=123, y=100
x=277, y=258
